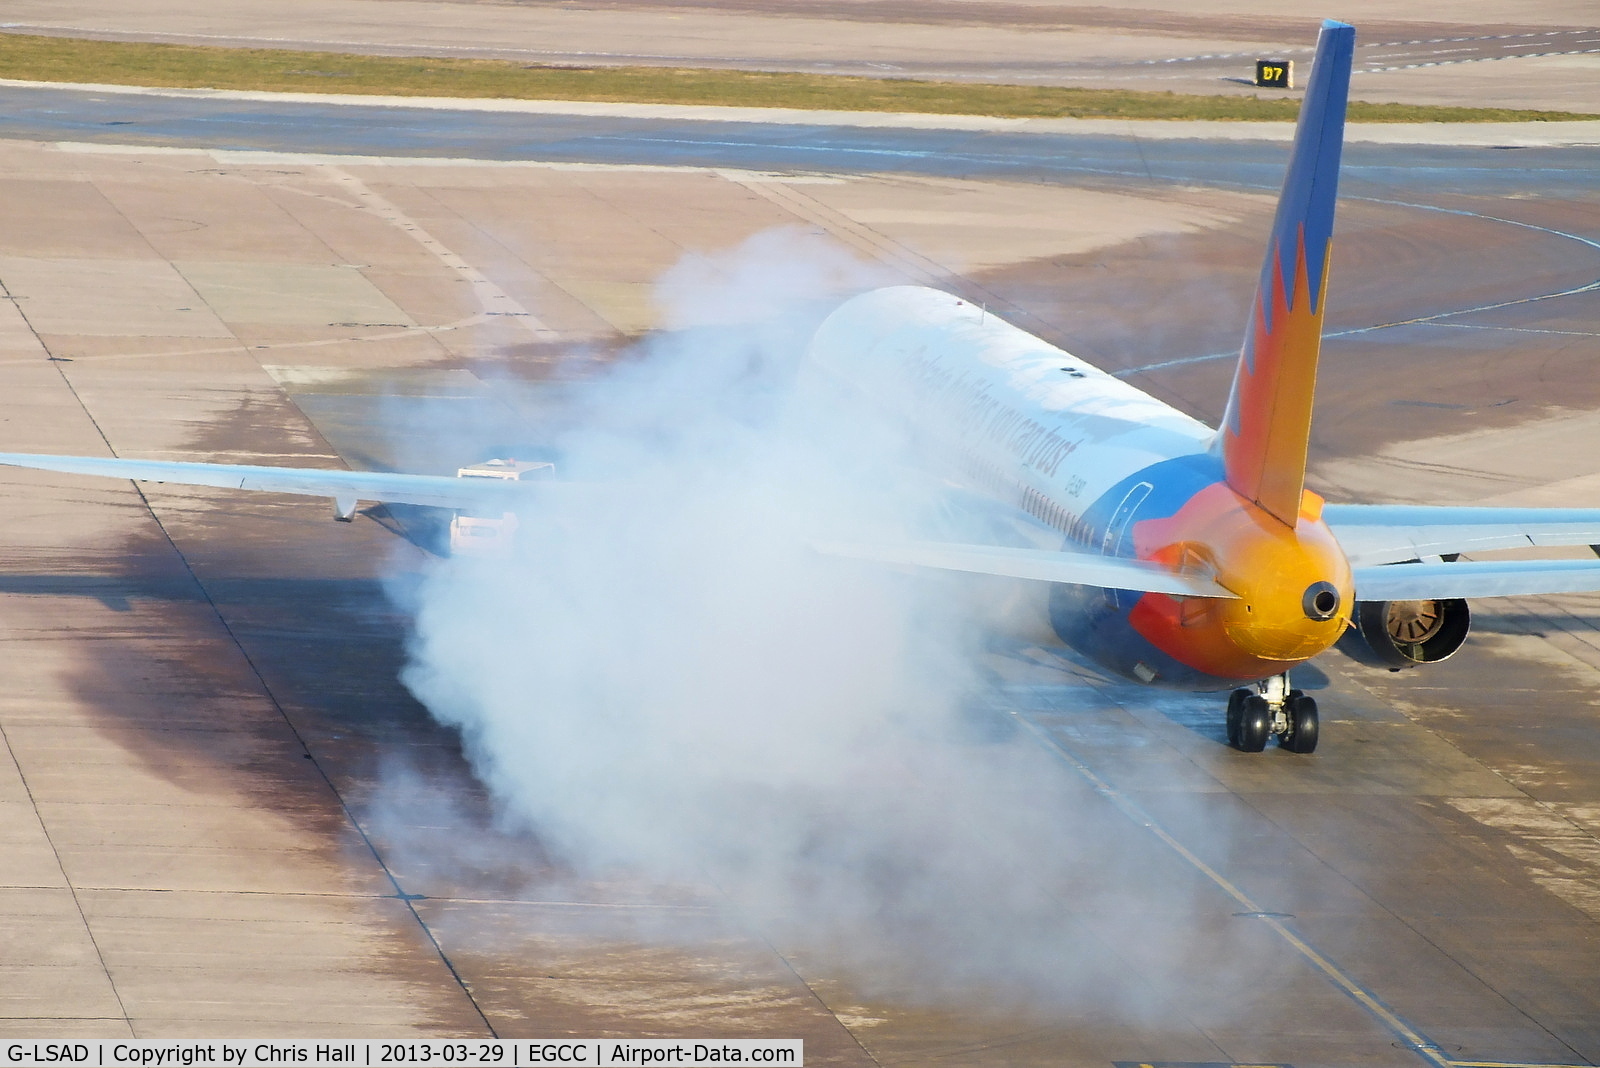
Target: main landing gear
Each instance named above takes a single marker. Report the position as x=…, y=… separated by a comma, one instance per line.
x=1271, y=708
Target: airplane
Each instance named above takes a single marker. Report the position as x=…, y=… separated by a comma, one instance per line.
x=1182, y=556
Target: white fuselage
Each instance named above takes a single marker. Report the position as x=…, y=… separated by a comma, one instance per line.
x=1032, y=424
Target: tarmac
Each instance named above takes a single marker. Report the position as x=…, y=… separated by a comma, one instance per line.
x=223, y=815
x=1494, y=134
x=1543, y=55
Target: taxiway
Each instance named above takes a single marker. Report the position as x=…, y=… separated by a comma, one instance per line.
x=1545, y=56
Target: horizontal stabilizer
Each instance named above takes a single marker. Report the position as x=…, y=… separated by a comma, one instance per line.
x=1476, y=578
x=1044, y=565
x=343, y=486
x=1390, y=533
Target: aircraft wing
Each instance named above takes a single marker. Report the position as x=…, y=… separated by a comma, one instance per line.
x=1384, y=542
x=1475, y=578
x=1046, y=565
x=1386, y=534
x=344, y=488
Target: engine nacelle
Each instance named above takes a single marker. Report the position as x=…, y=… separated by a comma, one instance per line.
x=1400, y=634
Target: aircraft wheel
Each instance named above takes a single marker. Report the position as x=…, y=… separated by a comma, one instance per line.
x=1236, y=701
x=1290, y=701
x=1303, y=724
x=1255, y=723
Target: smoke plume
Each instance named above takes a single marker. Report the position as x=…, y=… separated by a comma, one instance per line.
x=666, y=680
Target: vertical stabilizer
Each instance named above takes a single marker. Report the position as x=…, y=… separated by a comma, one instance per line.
x=1268, y=421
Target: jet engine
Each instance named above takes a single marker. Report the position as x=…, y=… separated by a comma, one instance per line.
x=1401, y=634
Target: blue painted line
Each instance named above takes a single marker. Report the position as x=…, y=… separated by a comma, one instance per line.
x=1426, y=320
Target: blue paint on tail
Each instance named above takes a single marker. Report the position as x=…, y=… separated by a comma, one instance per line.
x=1305, y=207
x=1266, y=428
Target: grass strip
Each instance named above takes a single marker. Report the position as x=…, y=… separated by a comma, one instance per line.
x=28, y=57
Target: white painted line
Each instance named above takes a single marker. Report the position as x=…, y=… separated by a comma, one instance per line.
x=492, y=300
x=1411, y=1038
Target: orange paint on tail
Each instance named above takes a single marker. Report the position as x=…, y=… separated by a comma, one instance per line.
x=1267, y=429
x=1267, y=564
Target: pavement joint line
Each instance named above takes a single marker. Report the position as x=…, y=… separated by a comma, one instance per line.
x=266, y=690
x=527, y=902
x=276, y=346
x=255, y=157
x=5, y=741
x=1583, y=834
x=864, y=238
x=878, y=245
x=1414, y=1040
x=618, y=906
x=755, y=932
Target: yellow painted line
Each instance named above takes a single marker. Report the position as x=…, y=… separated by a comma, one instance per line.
x=1427, y=1048
x=1511, y=1064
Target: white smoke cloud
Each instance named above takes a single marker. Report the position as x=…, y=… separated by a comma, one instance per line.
x=667, y=681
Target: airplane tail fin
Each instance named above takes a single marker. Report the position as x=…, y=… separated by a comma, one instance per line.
x=1267, y=426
